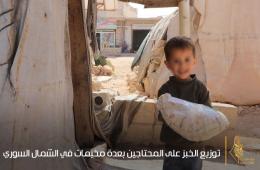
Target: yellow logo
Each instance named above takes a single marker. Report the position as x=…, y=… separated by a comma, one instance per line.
x=237, y=153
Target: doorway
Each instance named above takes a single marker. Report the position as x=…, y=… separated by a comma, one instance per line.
x=138, y=37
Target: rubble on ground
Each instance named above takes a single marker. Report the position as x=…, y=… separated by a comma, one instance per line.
x=100, y=70
x=123, y=79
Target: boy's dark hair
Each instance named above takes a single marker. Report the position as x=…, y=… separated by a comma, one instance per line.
x=179, y=42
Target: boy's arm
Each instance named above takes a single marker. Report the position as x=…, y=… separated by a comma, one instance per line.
x=204, y=96
x=160, y=92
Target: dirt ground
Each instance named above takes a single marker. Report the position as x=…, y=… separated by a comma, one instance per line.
x=123, y=79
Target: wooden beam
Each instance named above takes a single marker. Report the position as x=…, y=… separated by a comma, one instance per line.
x=91, y=25
x=184, y=14
x=155, y=3
x=81, y=76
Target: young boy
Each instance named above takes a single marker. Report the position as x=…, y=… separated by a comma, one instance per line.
x=180, y=60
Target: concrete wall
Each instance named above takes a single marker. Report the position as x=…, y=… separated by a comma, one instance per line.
x=128, y=36
x=124, y=31
x=120, y=31
x=123, y=10
x=137, y=24
x=126, y=20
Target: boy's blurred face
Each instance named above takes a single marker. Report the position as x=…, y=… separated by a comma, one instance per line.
x=181, y=63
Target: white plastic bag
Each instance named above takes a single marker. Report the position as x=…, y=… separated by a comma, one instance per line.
x=195, y=122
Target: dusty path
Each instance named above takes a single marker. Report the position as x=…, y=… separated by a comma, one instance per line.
x=122, y=73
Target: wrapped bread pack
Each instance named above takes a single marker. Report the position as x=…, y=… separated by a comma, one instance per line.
x=195, y=122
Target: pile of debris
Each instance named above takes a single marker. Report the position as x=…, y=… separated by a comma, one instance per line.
x=102, y=66
x=116, y=74
x=99, y=70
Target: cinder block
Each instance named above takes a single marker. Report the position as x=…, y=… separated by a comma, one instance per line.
x=230, y=111
x=219, y=140
x=138, y=134
x=156, y=135
x=251, y=144
x=248, y=125
x=146, y=112
x=145, y=128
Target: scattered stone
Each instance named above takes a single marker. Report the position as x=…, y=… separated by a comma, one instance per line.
x=105, y=70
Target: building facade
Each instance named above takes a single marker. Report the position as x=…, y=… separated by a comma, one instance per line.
x=119, y=29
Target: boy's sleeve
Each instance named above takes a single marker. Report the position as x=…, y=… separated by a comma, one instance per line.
x=160, y=92
x=204, y=96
